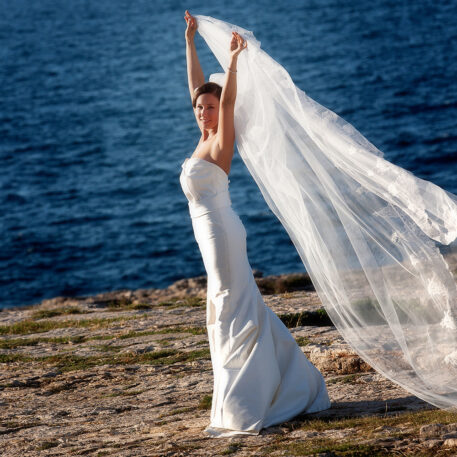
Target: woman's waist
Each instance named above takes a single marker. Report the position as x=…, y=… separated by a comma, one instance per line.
x=211, y=203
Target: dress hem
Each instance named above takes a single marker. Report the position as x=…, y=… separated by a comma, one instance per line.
x=216, y=432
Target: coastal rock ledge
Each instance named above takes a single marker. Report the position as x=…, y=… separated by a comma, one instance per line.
x=128, y=373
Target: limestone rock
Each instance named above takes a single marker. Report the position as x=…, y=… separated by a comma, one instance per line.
x=450, y=442
x=338, y=358
x=129, y=373
x=432, y=430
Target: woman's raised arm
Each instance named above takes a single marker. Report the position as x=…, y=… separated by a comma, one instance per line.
x=195, y=74
x=226, y=128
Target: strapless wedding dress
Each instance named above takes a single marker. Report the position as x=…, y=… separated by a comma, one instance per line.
x=261, y=376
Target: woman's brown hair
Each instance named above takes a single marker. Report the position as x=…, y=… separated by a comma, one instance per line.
x=206, y=88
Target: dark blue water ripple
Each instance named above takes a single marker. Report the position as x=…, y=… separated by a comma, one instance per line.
x=96, y=120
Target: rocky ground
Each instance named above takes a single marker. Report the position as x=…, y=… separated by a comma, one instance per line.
x=128, y=373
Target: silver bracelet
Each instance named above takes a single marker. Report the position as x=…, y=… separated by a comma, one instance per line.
x=231, y=71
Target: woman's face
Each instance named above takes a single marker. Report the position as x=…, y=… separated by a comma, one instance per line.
x=207, y=111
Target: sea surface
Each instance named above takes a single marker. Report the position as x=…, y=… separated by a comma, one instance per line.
x=96, y=119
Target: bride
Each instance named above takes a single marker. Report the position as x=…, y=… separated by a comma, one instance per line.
x=370, y=234
x=261, y=376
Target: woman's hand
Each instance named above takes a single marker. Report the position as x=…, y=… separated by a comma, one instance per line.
x=191, y=26
x=237, y=44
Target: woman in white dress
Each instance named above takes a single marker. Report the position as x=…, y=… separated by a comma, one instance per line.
x=261, y=376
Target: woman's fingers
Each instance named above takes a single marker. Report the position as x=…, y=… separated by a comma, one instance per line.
x=188, y=17
x=190, y=21
x=238, y=37
x=238, y=43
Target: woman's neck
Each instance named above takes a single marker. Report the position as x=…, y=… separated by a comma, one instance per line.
x=208, y=134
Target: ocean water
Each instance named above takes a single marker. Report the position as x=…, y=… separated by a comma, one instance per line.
x=96, y=120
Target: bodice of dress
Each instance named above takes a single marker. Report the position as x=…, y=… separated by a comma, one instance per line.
x=205, y=185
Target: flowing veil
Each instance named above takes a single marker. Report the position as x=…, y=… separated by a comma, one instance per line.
x=367, y=231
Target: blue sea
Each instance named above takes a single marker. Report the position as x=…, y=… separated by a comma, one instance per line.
x=96, y=120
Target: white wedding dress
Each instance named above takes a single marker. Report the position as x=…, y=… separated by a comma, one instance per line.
x=261, y=376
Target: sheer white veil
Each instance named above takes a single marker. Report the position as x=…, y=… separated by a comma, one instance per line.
x=367, y=231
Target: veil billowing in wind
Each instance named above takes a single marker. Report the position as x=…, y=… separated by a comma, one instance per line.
x=366, y=230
